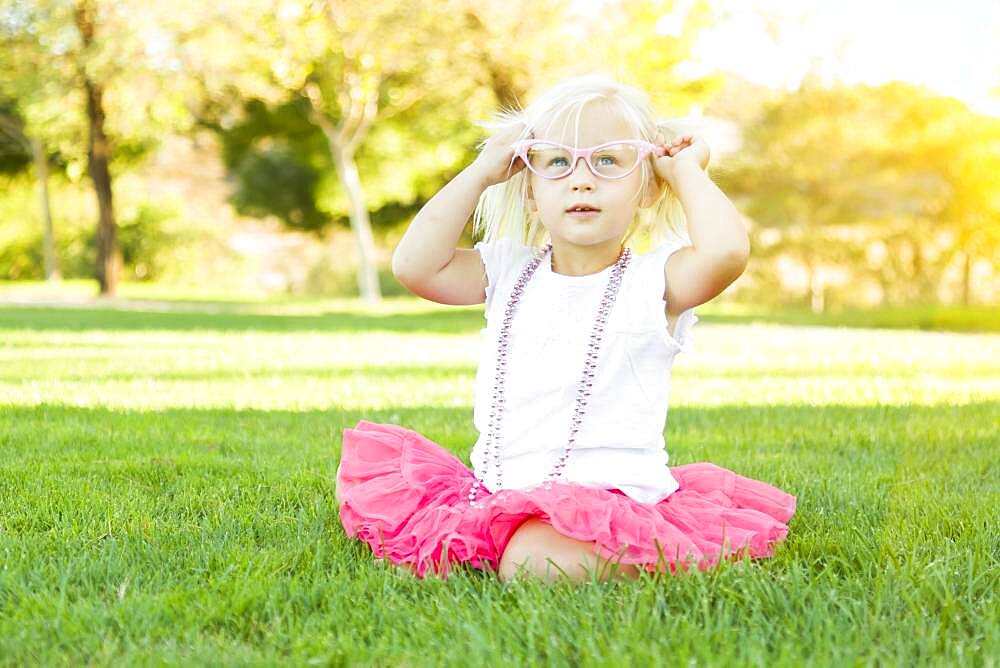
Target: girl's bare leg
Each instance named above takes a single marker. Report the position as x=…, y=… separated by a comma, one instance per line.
x=538, y=550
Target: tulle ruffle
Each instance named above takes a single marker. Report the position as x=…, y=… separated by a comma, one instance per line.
x=407, y=497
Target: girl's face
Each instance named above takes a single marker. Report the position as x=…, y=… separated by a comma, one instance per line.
x=617, y=199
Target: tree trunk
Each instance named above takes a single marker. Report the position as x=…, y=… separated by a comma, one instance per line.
x=109, y=259
x=885, y=299
x=342, y=152
x=368, y=285
x=817, y=291
x=967, y=279
x=917, y=267
x=816, y=287
x=42, y=176
x=108, y=254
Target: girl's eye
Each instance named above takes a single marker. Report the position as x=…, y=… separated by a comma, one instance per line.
x=599, y=158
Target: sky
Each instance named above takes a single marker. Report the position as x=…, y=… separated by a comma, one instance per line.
x=951, y=47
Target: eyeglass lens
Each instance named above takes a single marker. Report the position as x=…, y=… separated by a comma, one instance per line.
x=553, y=161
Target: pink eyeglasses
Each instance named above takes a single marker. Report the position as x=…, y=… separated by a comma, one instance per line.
x=611, y=160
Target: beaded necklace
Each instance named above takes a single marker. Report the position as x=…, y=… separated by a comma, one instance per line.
x=583, y=390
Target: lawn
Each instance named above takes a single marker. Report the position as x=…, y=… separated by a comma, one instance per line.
x=166, y=493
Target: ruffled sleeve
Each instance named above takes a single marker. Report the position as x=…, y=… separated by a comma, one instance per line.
x=501, y=257
x=682, y=338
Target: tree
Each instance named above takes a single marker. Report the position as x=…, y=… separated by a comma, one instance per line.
x=85, y=75
x=367, y=77
x=838, y=170
x=339, y=64
x=29, y=120
x=109, y=258
x=16, y=145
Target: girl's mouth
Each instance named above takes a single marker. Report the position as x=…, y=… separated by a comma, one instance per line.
x=589, y=213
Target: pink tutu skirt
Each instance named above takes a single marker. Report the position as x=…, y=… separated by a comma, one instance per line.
x=407, y=497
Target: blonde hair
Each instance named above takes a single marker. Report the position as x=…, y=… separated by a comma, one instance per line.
x=502, y=208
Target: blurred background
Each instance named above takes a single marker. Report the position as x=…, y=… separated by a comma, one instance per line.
x=280, y=148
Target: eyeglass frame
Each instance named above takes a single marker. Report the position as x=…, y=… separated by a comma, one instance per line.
x=520, y=149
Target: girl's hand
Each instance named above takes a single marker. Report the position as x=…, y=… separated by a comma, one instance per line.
x=691, y=148
x=493, y=163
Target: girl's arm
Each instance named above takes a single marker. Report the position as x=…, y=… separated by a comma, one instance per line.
x=429, y=242
x=426, y=260
x=721, y=245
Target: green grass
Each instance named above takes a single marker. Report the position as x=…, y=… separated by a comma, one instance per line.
x=166, y=494
x=978, y=318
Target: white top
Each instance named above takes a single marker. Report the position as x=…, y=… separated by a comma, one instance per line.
x=620, y=441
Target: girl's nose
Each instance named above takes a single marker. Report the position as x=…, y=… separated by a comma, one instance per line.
x=581, y=173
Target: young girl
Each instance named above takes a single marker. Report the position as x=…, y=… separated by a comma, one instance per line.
x=570, y=467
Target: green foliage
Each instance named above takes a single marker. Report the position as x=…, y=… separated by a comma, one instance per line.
x=324, y=280
x=21, y=258
x=274, y=156
x=14, y=155
x=888, y=182
x=146, y=240
x=261, y=124
x=44, y=62
x=892, y=183
x=21, y=245
x=149, y=234
x=273, y=181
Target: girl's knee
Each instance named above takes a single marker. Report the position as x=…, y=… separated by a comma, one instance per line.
x=524, y=550
x=536, y=549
